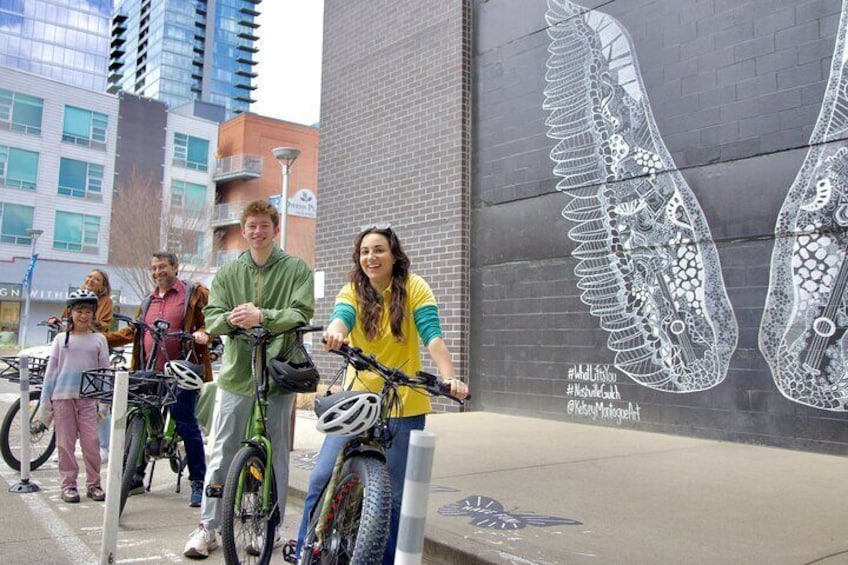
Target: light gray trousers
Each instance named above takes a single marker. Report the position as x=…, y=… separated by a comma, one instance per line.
x=232, y=413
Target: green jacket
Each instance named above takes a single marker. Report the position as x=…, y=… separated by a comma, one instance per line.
x=283, y=288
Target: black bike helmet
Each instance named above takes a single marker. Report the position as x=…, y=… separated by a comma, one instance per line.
x=81, y=296
x=294, y=376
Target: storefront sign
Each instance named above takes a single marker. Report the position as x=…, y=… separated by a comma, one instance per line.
x=11, y=290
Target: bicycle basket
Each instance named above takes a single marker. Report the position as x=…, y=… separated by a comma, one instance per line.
x=12, y=370
x=145, y=388
x=295, y=373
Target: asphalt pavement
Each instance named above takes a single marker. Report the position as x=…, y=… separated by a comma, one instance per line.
x=518, y=491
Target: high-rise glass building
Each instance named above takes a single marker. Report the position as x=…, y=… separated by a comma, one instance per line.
x=66, y=40
x=179, y=51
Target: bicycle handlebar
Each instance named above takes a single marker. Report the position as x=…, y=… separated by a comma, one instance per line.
x=429, y=382
x=259, y=334
x=159, y=327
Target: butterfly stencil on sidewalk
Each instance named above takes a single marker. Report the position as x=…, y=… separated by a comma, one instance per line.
x=489, y=513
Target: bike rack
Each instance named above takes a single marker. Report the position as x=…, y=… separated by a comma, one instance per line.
x=144, y=388
x=12, y=371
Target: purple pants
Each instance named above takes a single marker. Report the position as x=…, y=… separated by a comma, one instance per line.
x=72, y=418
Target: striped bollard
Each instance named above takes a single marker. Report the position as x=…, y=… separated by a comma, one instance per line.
x=25, y=486
x=109, y=542
x=416, y=489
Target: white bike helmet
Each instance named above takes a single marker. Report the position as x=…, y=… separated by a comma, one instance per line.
x=347, y=413
x=81, y=296
x=187, y=374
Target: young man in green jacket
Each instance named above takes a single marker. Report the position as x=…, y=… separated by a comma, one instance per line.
x=266, y=287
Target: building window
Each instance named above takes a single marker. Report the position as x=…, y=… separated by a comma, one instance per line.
x=18, y=167
x=80, y=179
x=188, y=196
x=86, y=128
x=15, y=223
x=191, y=152
x=76, y=232
x=187, y=245
x=20, y=112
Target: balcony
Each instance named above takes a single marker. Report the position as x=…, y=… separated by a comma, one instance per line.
x=238, y=167
x=227, y=214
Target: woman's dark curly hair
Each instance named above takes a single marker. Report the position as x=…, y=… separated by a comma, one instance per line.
x=370, y=306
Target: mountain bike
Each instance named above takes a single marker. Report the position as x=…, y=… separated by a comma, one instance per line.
x=42, y=439
x=350, y=522
x=151, y=432
x=250, y=513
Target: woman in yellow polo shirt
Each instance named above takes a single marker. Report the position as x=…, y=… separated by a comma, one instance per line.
x=385, y=309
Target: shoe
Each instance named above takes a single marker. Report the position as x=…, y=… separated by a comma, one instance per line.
x=200, y=543
x=196, y=494
x=104, y=455
x=136, y=486
x=96, y=494
x=289, y=555
x=255, y=547
x=71, y=495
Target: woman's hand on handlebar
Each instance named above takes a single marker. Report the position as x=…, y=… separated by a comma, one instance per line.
x=458, y=388
x=333, y=339
x=200, y=337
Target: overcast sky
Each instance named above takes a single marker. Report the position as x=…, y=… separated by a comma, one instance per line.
x=289, y=53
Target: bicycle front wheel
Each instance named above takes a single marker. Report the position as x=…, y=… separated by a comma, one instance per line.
x=136, y=437
x=357, y=529
x=248, y=525
x=42, y=442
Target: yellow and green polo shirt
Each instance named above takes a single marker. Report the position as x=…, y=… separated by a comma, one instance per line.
x=421, y=321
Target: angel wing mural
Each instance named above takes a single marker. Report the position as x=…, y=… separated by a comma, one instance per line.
x=648, y=267
x=803, y=330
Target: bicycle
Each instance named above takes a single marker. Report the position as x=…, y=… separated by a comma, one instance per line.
x=42, y=439
x=250, y=513
x=151, y=432
x=350, y=521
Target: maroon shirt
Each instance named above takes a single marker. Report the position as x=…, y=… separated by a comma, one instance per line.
x=171, y=308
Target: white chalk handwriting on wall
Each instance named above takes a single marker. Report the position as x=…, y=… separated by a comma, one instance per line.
x=648, y=266
x=596, y=395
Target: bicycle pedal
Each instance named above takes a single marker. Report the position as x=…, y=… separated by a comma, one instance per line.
x=214, y=490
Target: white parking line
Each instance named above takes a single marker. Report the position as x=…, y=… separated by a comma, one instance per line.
x=74, y=548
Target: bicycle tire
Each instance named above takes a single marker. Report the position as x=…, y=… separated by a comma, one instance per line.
x=42, y=443
x=359, y=528
x=243, y=522
x=133, y=446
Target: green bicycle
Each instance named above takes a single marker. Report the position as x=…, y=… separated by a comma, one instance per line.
x=250, y=513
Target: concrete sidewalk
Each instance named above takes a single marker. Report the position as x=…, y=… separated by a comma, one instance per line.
x=516, y=490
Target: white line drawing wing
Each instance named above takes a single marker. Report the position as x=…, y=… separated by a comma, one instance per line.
x=803, y=330
x=648, y=267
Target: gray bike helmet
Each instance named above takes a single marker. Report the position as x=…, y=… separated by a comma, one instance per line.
x=189, y=376
x=347, y=413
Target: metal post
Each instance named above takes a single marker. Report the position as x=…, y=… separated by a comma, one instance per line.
x=109, y=544
x=34, y=235
x=286, y=156
x=24, y=485
x=416, y=489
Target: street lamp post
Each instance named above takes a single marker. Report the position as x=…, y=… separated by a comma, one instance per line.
x=286, y=156
x=34, y=235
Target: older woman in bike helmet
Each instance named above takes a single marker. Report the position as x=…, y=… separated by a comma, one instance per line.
x=385, y=310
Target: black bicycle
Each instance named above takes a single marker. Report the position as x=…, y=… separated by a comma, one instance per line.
x=350, y=522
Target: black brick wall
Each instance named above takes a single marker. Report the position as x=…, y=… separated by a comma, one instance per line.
x=735, y=88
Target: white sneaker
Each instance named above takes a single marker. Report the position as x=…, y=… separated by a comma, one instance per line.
x=255, y=547
x=200, y=543
x=104, y=455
